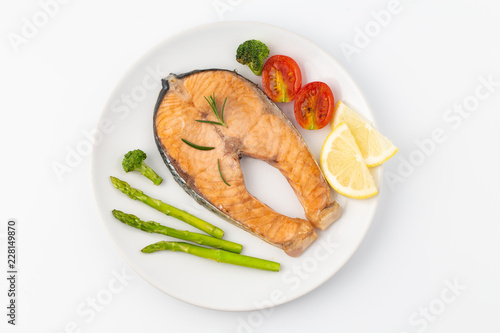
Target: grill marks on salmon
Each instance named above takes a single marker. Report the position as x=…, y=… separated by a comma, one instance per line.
x=257, y=128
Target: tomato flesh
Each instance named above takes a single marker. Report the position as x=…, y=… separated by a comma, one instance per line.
x=314, y=105
x=281, y=78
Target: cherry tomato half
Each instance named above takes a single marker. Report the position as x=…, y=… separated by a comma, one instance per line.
x=314, y=105
x=281, y=78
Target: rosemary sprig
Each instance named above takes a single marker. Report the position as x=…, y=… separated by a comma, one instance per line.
x=220, y=172
x=208, y=122
x=213, y=105
x=196, y=146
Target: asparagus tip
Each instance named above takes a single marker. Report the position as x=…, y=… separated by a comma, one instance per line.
x=153, y=247
x=114, y=180
x=116, y=213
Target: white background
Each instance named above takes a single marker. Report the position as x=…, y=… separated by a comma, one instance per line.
x=437, y=224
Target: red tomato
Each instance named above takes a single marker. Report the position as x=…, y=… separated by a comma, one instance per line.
x=281, y=78
x=314, y=105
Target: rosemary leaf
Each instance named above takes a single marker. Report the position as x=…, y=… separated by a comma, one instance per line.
x=222, y=111
x=220, y=172
x=196, y=146
x=209, y=122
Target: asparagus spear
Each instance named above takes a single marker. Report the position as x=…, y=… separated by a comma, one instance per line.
x=136, y=194
x=214, y=254
x=194, y=237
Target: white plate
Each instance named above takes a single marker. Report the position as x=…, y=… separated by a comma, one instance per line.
x=127, y=124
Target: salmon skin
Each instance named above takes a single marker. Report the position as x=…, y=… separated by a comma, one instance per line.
x=257, y=128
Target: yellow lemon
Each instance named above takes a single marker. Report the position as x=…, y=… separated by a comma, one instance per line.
x=344, y=167
x=375, y=148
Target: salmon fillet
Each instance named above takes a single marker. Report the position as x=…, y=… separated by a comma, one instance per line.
x=257, y=128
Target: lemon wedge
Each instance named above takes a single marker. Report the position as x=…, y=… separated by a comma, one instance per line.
x=344, y=166
x=375, y=148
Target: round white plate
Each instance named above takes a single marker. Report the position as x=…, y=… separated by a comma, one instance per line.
x=127, y=123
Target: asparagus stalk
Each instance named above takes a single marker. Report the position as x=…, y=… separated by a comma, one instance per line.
x=214, y=254
x=167, y=209
x=194, y=237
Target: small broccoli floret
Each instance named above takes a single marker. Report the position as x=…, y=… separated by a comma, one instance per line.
x=134, y=161
x=252, y=53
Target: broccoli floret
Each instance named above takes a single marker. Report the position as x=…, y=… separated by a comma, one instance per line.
x=134, y=161
x=252, y=53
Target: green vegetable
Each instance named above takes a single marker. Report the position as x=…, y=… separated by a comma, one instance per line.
x=134, y=161
x=220, y=173
x=196, y=222
x=214, y=254
x=213, y=105
x=195, y=146
x=194, y=237
x=252, y=53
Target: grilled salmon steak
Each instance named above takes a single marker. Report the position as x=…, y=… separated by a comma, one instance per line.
x=255, y=127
